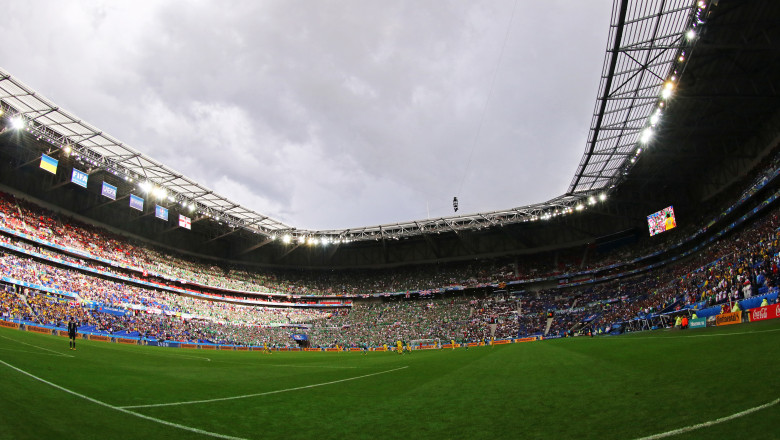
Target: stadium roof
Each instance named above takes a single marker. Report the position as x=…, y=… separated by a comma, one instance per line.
x=646, y=55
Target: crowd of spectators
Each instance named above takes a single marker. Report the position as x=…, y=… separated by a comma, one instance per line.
x=729, y=269
x=732, y=268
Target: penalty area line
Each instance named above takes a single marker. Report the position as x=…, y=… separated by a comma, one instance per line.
x=711, y=422
x=34, y=352
x=40, y=348
x=245, y=396
x=122, y=410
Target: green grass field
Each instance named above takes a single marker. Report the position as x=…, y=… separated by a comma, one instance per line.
x=608, y=388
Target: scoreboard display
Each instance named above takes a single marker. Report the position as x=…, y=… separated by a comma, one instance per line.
x=661, y=221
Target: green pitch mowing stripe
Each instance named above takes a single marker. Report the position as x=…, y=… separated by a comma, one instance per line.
x=623, y=387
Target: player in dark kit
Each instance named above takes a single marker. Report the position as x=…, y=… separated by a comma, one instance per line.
x=72, y=333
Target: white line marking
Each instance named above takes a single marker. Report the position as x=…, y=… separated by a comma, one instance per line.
x=660, y=338
x=31, y=345
x=219, y=399
x=149, y=352
x=711, y=422
x=34, y=352
x=122, y=410
x=296, y=366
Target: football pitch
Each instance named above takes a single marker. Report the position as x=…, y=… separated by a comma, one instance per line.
x=712, y=383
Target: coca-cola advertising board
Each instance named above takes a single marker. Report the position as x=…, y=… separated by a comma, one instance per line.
x=766, y=312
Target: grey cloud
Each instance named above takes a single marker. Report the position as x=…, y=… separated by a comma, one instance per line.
x=332, y=114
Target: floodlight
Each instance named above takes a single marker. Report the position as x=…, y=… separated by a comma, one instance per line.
x=301, y=239
x=286, y=239
x=667, y=91
x=603, y=196
x=646, y=135
x=145, y=186
x=17, y=123
x=159, y=192
x=691, y=34
x=580, y=207
x=591, y=200
x=655, y=118
x=67, y=149
x=324, y=241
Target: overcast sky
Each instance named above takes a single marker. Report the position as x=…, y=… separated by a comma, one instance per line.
x=330, y=114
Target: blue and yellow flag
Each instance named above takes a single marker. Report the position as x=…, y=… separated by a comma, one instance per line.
x=49, y=164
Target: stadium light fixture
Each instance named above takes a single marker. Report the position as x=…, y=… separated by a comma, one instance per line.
x=591, y=200
x=655, y=117
x=646, y=135
x=17, y=123
x=145, y=186
x=580, y=207
x=67, y=149
x=1, y=112
x=286, y=239
x=603, y=196
x=301, y=239
x=160, y=193
x=667, y=91
x=691, y=34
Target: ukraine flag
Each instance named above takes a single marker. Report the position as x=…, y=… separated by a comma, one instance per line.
x=49, y=164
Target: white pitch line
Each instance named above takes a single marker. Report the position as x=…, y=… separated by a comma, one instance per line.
x=34, y=352
x=32, y=345
x=298, y=366
x=150, y=352
x=123, y=410
x=711, y=422
x=244, y=396
x=661, y=338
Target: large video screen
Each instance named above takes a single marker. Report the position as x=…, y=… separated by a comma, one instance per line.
x=661, y=221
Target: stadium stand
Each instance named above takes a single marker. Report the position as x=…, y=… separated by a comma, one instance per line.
x=79, y=271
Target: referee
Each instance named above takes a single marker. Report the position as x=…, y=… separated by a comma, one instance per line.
x=72, y=333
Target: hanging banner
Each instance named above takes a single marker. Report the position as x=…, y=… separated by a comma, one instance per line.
x=160, y=212
x=79, y=178
x=108, y=191
x=136, y=202
x=185, y=222
x=49, y=164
